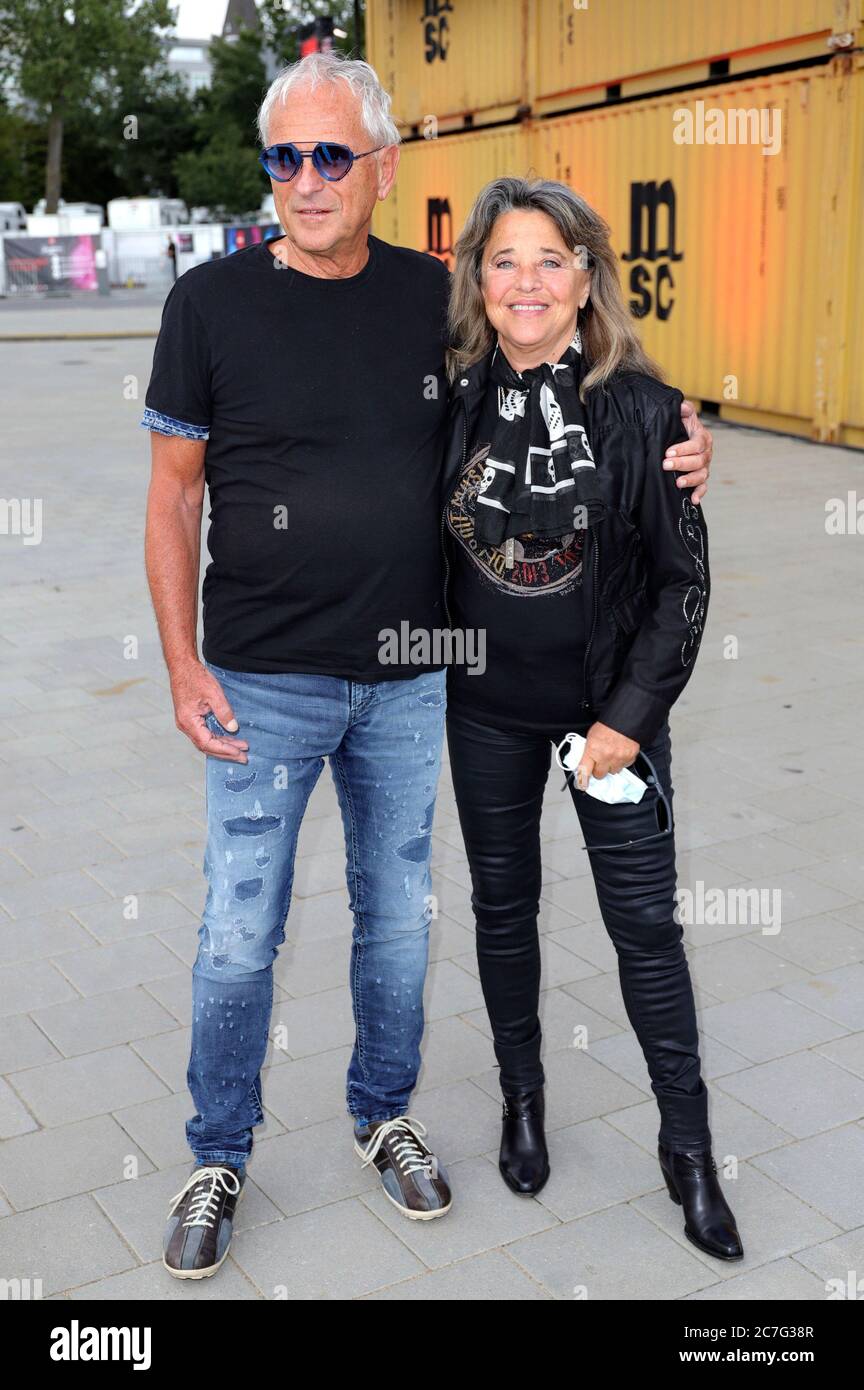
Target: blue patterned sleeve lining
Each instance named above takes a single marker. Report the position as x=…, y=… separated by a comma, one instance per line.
x=166, y=424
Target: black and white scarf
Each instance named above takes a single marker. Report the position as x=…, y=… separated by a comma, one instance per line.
x=539, y=474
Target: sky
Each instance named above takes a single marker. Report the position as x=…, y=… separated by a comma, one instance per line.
x=199, y=19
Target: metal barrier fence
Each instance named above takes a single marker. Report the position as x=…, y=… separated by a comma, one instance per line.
x=23, y=281
x=140, y=272
x=56, y=281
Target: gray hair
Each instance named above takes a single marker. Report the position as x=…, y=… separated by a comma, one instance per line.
x=316, y=68
x=610, y=341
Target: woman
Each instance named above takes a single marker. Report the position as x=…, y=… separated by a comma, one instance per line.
x=586, y=567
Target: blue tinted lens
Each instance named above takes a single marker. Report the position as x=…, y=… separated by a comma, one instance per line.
x=282, y=161
x=332, y=161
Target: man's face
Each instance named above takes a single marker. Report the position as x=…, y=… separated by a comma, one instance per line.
x=321, y=218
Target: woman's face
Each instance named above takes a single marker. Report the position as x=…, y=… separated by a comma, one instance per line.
x=532, y=287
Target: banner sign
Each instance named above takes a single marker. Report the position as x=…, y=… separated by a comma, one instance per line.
x=51, y=264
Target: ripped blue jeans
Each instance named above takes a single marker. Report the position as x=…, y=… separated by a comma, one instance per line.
x=383, y=741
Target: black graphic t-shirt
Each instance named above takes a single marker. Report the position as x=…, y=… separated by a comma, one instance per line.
x=531, y=611
x=323, y=404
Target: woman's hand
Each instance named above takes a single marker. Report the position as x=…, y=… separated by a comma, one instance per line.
x=605, y=751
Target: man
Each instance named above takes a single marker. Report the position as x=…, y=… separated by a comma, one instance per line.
x=303, y=380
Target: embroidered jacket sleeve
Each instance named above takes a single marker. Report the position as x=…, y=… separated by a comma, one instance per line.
x=675, y=545
x=178, y=400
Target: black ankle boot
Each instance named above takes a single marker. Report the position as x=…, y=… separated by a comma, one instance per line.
x=524, y=1158
x=693, y=1183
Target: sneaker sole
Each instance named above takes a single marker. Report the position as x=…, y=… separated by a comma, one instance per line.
x=196, y=1273
x=407, y=1211
x=211, y=1269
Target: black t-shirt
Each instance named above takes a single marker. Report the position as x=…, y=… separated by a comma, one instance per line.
x=531, y=611
x=325, y=402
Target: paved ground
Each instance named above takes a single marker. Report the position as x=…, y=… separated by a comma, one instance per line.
x=101, y=799
x=124, y=311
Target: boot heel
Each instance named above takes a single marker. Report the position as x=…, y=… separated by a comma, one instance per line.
x=708, y=1221
x=524, y=1157
x=673, y=1193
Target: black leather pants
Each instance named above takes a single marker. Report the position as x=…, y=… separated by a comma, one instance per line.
x=499, y=778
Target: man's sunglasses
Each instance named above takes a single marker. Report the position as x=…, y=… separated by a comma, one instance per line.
x=644, y=768
x=331, y=161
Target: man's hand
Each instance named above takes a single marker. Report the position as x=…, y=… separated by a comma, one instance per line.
x=196, y=694
x=605, y=751
x=692, y=458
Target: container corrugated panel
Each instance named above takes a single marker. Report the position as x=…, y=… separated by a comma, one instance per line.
x=449, y=58
x=487, y=58
x=851, y=178
x=741, y=266
x=610, y=42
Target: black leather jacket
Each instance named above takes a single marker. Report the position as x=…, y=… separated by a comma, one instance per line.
x=645, y=575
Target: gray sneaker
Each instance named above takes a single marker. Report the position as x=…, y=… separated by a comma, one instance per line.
x=411, y=1176
x=201, y=1221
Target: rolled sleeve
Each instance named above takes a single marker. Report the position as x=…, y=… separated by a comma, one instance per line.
x=166, y=424
x=179, y=399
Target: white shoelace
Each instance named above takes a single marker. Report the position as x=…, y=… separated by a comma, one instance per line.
x=201, y=1213
x=407, y=1148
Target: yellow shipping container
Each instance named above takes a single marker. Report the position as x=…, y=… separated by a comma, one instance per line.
x=446, y=60
x=667, y=43
x=740, y=259
x=460, y=62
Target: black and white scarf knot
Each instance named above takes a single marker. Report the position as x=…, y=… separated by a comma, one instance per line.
x=539, y=477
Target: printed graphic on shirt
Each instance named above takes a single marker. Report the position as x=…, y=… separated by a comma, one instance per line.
x=541, y=564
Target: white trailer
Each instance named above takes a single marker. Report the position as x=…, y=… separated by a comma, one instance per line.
x=146, y=214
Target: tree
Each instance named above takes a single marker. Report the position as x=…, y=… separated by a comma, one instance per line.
x=237, y=87
x=223, y=176
x=167, y=123
x=22, y=157
x=63, y=53
x=221, y=172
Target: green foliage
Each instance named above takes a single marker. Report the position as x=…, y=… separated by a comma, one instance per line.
x=221, y=170
x=237, y=88
x=166, y=125
x=224, y=176
x=69, y=59
x=71, y=52
x=22, y=158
